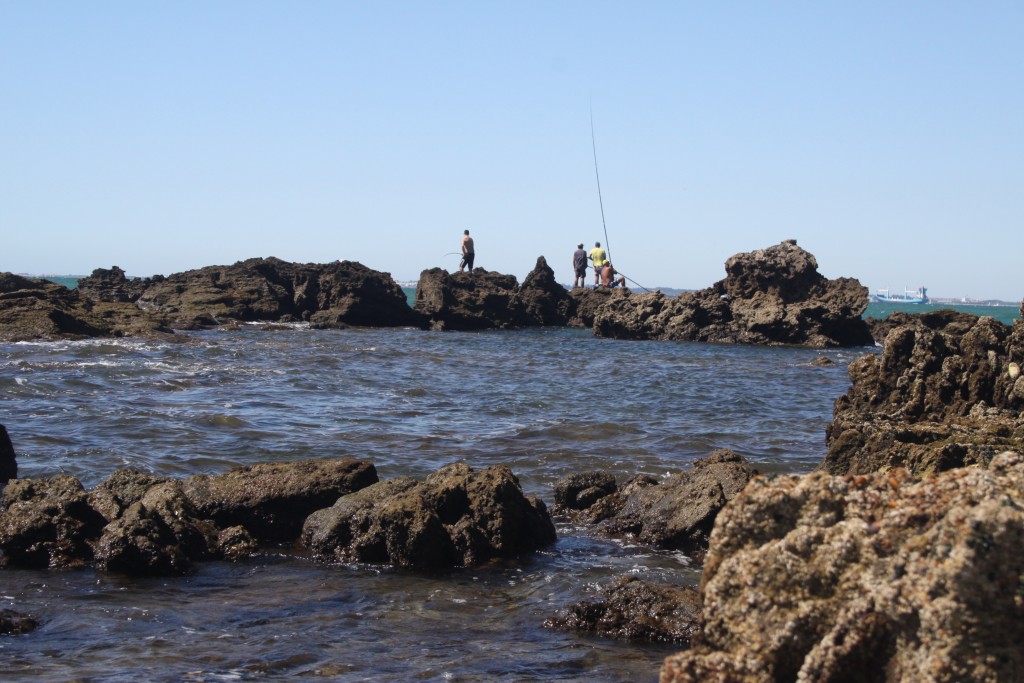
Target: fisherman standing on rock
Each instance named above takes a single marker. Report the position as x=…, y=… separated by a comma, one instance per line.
x=599, y=257
x=579, y=266
x=467, y=251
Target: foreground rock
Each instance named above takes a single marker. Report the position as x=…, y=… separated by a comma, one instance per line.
x=108, y=303
x=771, y=296
x=631, y=609
x=875, y=578
x=677, y=513
x=456, y=517
x=946, y=391
x=139, y=524
x=483, y=300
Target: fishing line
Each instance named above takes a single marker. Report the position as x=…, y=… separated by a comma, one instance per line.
x=593, y=142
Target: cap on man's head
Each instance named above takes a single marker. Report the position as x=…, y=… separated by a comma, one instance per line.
x=580, y=245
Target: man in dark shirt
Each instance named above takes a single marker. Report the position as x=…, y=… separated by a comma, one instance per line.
x=579, y=266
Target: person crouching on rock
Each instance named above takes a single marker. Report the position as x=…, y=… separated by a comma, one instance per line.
x=608, y=278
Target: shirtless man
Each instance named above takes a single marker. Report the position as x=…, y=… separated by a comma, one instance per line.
x=608, y=278
x=467, y=252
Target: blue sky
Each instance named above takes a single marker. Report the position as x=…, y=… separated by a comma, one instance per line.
x=887, y=138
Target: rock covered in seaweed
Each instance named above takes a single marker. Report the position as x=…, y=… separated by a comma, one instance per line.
x=883, y=576
x=456, y=517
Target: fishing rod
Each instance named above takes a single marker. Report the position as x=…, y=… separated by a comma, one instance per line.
x=593, y=142
x=600, y=199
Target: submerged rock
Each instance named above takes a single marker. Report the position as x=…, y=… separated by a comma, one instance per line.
x=16, y=623
x=879, y=577
x=456, y=517
x=631, y=609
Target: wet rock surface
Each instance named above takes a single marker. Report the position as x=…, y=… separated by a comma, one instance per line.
x=770, y=296
x=632, y=609
x=456, y=517
x=677, y=513
x=879, y=577
x=945, y=391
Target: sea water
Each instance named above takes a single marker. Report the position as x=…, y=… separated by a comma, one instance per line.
x=548, y=403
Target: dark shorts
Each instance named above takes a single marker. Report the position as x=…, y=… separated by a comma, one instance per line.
x=467, y=260
x=581, y=272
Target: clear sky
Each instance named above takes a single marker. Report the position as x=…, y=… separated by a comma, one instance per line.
x=887, y=138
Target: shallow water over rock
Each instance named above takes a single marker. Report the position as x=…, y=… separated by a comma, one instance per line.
x=547, y=403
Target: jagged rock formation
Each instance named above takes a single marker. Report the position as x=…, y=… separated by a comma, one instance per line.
x=770, y=296
x=107, y=303
x=16, y=623
x=880, y=577
x=631, y=609
x=484, y=300
x=456, y=517
x=946, y=391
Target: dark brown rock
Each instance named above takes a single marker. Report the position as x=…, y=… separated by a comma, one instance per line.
x=456, y=517
x=770, y=296
x=8, y=460
x=272, y=500
x=15, y=623
x=483, y=300
x=47, y=523
x=120, y=491
x=113, y=286
x=160, y=534
x=631, y=609
x=880, y=577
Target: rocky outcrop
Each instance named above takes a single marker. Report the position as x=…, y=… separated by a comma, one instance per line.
x=770, y=296
x=881, y=577
x=272, y=500
x=108, y=303
x=483, y=300
x=946, y=391
x=136, y=523
x=328, y=295
x=677, y=513
x=8, y=460
x=456, y=517
x=632, y=609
